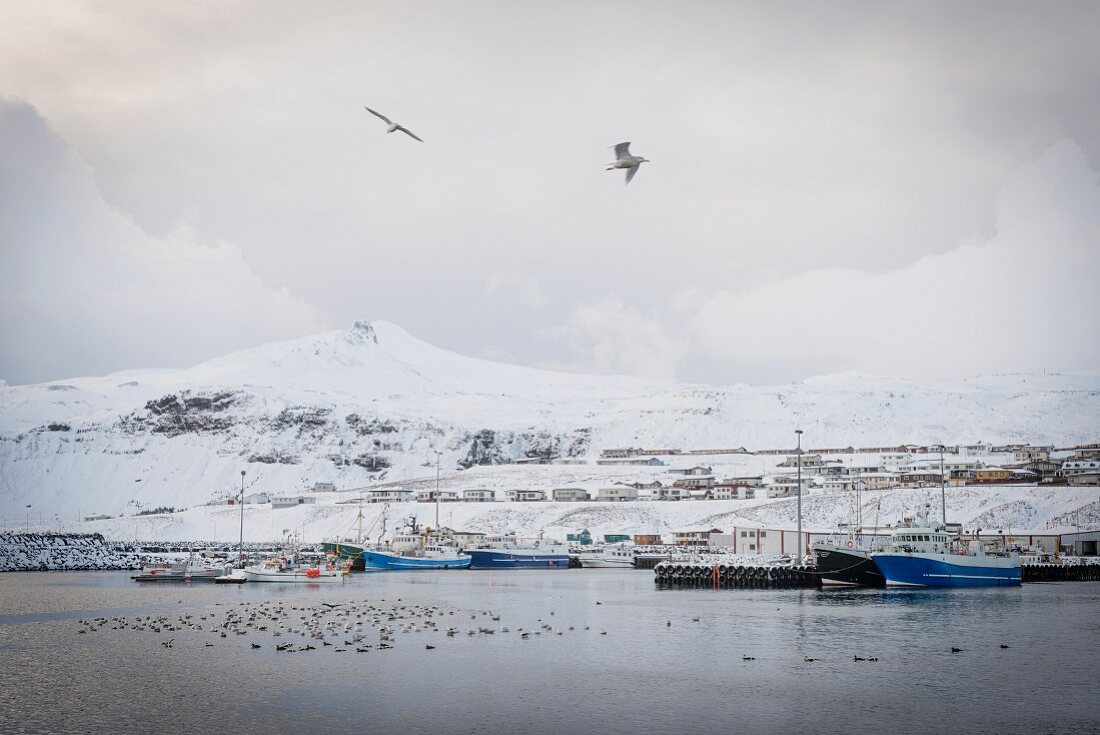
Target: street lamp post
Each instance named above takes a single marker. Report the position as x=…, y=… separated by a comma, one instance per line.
x=798, y=434
x=240, y=552
x=28, y=526
x=437, y=456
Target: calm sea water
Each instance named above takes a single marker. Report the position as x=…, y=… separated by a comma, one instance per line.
x=656, y=670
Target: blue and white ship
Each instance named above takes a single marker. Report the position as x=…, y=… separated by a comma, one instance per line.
x=508, y=552
x=922, y=554
x=415, y=549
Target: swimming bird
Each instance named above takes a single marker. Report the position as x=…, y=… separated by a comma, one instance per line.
x=808, y=659
x=748, y=658
x=392, y=127
x=1004, y=645
x=857, y=658
x=623, y=159
x=955, y=650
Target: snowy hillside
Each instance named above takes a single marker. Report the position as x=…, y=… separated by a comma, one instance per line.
x=375, y=404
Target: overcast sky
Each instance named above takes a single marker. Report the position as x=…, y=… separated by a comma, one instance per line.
x=899, y=188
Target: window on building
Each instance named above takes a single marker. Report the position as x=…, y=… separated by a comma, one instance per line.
x=752, y=547
x=763, y=534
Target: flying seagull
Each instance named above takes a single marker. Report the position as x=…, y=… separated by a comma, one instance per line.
x=392, y=125
x=623, y=159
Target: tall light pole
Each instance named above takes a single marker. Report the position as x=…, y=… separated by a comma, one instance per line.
x=943, y=493
x=27, y=529
x=438, y=454
x=240, y=552
x=798, y=453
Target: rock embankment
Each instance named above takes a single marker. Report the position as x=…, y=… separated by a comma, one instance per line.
x=25, y=552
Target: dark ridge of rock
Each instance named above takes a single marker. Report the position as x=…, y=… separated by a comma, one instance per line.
x=274, y=458
x=365, y=427
x=371, y=462
x=57, y=427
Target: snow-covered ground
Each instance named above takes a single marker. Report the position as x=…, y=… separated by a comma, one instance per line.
x=1007, y=508
x=373, y=404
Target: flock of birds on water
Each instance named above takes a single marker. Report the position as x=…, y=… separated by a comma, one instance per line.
x=345, y=626
x=623, y=158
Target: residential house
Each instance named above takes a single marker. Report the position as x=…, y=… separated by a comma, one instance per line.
x=478, y=495
x=570, y=494
x=1081, y=471
x=615, y=494
x=389, y=495
x=324, y=487
x=290, y=501
x=257, y=499
x=445, y=496
x=1028, y=454
x=920, y=478
x=530, y=496
x=691, y=471
x=694, y=536
x=647, y=539
x=695, y=482
x=879, y=480
x=991, y=474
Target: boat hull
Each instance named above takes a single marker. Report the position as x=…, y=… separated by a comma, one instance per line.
x=351, y=552
x=294, y=576
x=839, y=565
x=595, y=563
x=947, y=570
x=384, y=561
x=516, y=559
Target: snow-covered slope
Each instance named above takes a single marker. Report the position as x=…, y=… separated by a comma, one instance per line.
x=374, y=403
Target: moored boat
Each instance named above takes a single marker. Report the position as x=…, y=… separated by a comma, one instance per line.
x=848, y=564
x=508, y=552
x=924, y=555
x=283, y=569
x=614, y=556
x=193, y=569
x=431, y=556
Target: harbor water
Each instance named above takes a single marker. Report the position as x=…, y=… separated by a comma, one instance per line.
x=630, y=658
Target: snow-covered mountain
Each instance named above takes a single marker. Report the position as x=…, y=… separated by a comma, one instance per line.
x=374, y=403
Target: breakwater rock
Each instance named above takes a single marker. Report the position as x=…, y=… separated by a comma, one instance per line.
x=24, y=552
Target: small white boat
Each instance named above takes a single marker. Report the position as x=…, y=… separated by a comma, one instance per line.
x=280, y=570
x=615, y=556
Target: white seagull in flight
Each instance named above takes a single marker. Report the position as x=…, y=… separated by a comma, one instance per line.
x=392, y=125
x=623, y=159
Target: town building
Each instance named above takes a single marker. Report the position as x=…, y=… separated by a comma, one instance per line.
x=569, y=494
x=615, y=494
x=478, y=495
x=389, y=495
x=530, y=496
x=291, y=501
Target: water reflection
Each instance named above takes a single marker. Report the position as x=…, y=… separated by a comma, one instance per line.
x=670, y=661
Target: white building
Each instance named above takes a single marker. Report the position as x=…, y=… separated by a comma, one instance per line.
x=445, y=496
x=256, y=499
x=324, y=487
x=616, y=494
x=570, y=494
x=479, y=495
x=530, y=496
x=894, y=461
x=879, y=480
x=291, y=501
x=389, y=495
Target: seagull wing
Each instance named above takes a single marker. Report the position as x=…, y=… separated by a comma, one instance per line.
x=378, y=114
x=408, y=132
x=622, y=150
x=630, y=172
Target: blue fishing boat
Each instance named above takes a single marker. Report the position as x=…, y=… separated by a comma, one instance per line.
x=431, y=556
x=921, y=554
x=508, y=552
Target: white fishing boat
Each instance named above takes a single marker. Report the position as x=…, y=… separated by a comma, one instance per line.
x=196, y=568
x=284, y=570
x=614, y=556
